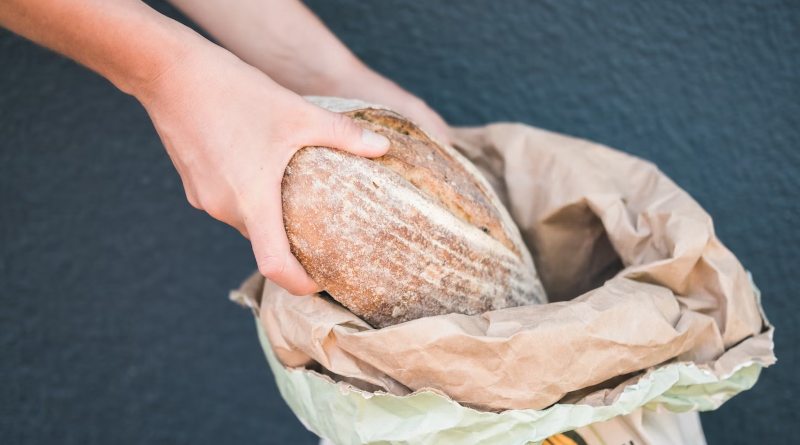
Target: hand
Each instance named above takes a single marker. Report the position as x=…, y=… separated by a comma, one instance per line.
x=230, y=131
x=285, y=40
x=369, y=86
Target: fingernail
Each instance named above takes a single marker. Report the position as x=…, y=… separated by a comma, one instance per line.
x=374, y=139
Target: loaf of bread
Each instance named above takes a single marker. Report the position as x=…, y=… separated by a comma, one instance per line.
x=415, y=233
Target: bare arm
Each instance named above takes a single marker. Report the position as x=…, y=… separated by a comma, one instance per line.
x=282, y=38
x=229, y=129
x=285, y=40
x=125, y=41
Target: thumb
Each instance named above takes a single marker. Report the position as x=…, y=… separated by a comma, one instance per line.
x=336, y=130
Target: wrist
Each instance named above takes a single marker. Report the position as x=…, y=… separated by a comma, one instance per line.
x=129, y=43
x=184, y=70
x=164, y=55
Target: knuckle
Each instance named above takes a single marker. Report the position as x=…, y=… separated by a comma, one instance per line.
x=271, y=266
x=342, y=126
x=216, y=210
x=215, y=207
x=192, y=198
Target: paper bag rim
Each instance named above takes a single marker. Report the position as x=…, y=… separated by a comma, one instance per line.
x=675, y=387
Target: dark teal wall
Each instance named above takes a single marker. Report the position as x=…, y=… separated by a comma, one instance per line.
x=114, y=323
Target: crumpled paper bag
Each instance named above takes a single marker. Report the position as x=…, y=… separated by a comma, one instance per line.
x=638, y=279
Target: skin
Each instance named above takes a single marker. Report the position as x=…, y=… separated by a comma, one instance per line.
x=230, y=119
x=286, y=41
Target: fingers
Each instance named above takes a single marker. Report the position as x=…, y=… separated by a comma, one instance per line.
x=271, y=247
x=432, y=122
x=419, y=112
x=339, y=131
x=264, y=224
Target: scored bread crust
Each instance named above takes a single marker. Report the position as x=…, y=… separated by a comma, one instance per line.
x=417, y=232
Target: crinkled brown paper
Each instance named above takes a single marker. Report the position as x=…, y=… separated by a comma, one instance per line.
x=634, y=271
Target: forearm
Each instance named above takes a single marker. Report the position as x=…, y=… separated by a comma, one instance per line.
x=123, y=40
x=282, y=38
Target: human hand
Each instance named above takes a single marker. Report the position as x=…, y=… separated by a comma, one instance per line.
x=369, y=86
x=362, y=83
x=285, y=40
x=228, y=127
x=230, y=131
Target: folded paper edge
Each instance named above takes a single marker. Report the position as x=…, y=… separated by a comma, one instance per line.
x=654, y=391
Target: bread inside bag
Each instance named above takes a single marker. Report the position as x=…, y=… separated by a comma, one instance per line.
x=644, y=279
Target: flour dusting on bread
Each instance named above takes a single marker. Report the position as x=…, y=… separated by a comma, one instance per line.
x=414, y=233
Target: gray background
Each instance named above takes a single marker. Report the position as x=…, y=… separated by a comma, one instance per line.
x=114, y=321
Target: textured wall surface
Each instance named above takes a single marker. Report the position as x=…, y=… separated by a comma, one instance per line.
x=114, y=322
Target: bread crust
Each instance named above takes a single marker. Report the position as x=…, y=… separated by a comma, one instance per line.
x=414, y=233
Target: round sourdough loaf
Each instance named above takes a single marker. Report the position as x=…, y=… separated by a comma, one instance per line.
x=415, y=233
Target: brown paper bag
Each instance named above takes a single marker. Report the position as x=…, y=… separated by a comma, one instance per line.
x=635, y=274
